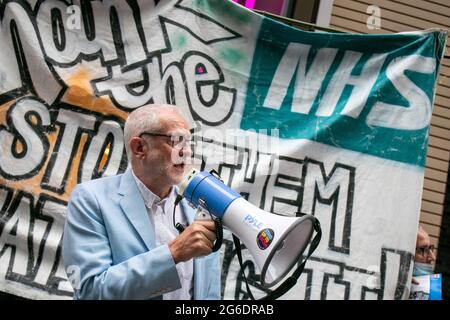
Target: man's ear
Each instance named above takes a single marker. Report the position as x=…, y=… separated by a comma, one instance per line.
x=138, y=148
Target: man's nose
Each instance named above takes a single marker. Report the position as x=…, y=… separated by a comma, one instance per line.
x=185, y=151
x=431, y=257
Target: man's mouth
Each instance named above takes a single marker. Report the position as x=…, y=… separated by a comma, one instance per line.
x=180, y=165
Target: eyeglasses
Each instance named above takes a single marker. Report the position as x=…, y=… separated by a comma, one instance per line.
x=176, y=140
x=424, y=251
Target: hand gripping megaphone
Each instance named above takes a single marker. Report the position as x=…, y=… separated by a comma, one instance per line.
x=275, y=242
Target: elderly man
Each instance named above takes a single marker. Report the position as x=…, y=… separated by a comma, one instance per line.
x=119, y=239
x=424, y=258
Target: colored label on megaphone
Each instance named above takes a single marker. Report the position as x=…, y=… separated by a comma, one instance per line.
x=265, y=238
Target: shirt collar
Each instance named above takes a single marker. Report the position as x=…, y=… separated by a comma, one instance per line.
x=150, y=198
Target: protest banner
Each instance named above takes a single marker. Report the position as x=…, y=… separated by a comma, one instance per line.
x=334, y=125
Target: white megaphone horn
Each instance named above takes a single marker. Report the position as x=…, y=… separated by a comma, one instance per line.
x=275, y=242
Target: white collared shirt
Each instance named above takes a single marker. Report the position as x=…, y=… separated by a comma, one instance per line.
x=160, y=213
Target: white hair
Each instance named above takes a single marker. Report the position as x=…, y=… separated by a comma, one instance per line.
x=145, y=118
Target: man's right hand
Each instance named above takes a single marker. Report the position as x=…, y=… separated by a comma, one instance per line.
x=195, y=241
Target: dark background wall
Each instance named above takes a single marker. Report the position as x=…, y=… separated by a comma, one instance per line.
x=443, y=257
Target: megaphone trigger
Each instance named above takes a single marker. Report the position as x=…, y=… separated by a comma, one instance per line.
x=202, y=213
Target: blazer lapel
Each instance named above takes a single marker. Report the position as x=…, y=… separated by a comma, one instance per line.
x=134, y=208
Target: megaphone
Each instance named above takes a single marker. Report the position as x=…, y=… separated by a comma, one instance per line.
x=275, y=242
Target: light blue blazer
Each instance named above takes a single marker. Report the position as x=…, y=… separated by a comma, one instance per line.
x=109, y=246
